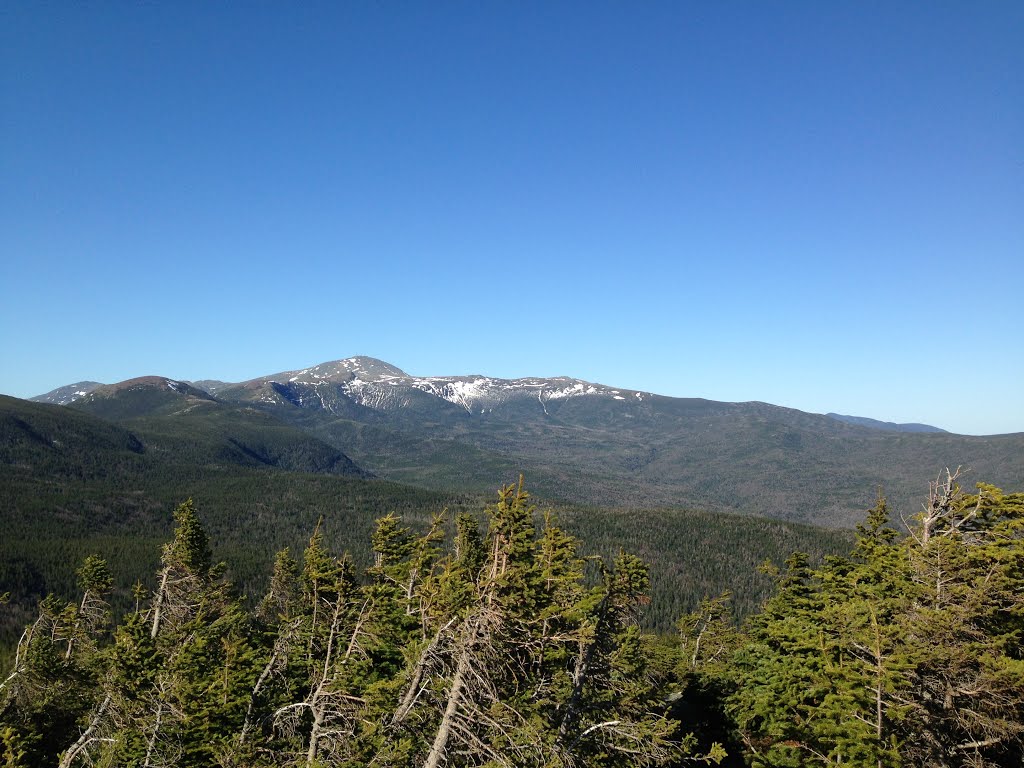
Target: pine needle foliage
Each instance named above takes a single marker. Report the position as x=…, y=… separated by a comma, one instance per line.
x=493, y=641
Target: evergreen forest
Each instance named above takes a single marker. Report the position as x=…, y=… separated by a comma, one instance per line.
x=493, y=641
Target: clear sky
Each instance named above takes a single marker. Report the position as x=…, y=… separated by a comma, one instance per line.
x=818, y=205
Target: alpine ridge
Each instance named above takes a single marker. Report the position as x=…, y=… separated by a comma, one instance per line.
x=576, y=441
x=375, y=384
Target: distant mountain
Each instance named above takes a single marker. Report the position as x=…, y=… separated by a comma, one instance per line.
x=68, y=394
x=576, y=441
x=142, y=396
x=367, y=383
x=887, y=426
x=188, y=425
x=209, y=386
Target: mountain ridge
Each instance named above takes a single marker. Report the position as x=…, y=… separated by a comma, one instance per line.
x=178, y=424
x=367, y=381
x=885, y=425
x=576, y=441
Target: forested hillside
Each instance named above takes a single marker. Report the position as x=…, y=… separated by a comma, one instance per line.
x=72, y=484
x=252, y=514
x=497, y=643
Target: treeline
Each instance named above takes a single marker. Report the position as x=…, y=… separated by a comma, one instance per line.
x=501, y=645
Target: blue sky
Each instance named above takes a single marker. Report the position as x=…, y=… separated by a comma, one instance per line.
x=818, y=205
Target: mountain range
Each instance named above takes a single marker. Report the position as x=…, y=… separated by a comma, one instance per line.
x=704, y=491
x=576, y=441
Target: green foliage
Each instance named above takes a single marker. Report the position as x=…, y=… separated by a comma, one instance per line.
x=282, y=599
x=445, y=647
x=190, y=548
x=72, y=485
x=94, y=576
x=455, y=649
x=16, y=747
x=53, y=683
x=905, y=653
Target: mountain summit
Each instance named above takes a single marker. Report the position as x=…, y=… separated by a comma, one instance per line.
x=368, y=368
x=374, y=384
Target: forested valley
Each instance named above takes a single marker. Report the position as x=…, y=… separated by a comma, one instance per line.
x=495, y=641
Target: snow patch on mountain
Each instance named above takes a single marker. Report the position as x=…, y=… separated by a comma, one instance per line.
x=68, y=394
x=378, y=385
x=375, y=384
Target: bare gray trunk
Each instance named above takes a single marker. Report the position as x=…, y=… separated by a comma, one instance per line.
x=85, y=738
x=156, y=731
x=159, y=603
x=413, y=689
x=314, y=736
x=437, y=749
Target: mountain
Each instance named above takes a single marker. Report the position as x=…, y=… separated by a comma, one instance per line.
x=888, y=426
x=597, y=444
x=142, y=396
x=374, y=384
x=185, y=424
x=67, y=394
x=210, y=386
x=583, y=442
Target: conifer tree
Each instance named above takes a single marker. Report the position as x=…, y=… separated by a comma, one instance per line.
x=54, y=683
x=282, y=599
x=906, y=653
x=176, y=691
x=964, y=630
x=708, y=641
